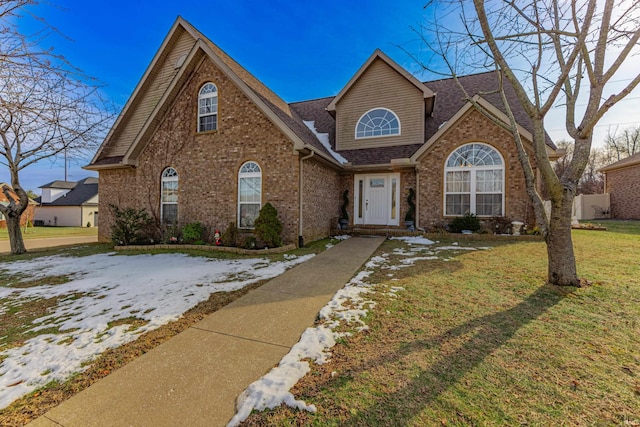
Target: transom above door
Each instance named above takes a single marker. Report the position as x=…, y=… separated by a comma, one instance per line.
x=377, y=199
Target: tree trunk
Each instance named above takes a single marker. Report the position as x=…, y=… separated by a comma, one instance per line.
x=561, y=258
x=15, y=235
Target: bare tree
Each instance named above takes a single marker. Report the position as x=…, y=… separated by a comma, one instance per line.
x=552, y=53
x=47, y=109
x=622, y=145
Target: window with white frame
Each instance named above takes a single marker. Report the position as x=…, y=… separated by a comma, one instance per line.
x=378, y=122
x=249, y=194
x=208, y=108
x=474, y=181
x=169, y=196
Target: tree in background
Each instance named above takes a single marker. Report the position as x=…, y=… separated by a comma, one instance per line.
x=592, y=181
x=552, y=53
x=48, y=109
x=621, y=145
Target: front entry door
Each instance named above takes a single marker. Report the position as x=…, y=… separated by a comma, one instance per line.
x=376, y=199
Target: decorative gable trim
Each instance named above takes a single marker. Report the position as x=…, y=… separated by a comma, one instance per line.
x=378, y=54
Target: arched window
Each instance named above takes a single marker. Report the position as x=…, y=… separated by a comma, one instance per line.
x=474, y=181
x=208, y=108
x=169, y=196
x=249, y=194
x=378, y=122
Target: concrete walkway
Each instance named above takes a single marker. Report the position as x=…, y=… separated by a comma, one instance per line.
x=50, y=242
x=194, y=378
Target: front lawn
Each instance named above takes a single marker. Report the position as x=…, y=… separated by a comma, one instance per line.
x=477, y=338
x=45, y=232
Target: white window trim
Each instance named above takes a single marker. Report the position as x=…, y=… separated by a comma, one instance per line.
x=206, y=96
x=472, y=183
x=162, y=181
x=248, y=175
x=355, y=133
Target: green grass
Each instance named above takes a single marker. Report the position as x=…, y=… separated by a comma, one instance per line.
x=45, y=232
x=481, y=340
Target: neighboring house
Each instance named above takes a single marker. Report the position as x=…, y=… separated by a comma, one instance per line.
x=69, y=204
x=201, y=139
x=27, y=215
x=622, y=182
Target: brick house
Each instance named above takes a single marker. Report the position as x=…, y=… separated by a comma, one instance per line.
x=622, y=182
x=201, y=139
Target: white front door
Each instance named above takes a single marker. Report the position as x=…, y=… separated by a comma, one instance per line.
x=376, y=199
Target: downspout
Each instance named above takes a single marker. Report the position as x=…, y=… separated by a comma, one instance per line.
x=302, y=159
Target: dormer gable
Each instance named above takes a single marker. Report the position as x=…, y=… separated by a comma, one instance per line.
x=382, y=105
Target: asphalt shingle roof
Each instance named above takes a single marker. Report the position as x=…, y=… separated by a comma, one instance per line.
x=80, y=193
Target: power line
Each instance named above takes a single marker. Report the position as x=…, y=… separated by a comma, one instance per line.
x=597, y=126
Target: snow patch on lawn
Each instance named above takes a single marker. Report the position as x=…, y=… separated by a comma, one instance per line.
x=104, y=288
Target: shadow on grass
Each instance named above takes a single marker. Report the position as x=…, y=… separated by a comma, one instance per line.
x=478, y=339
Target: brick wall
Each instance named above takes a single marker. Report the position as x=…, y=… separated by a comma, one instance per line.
x=208, y=163
x=322, y=198
x=472, y=127
x=624, y=187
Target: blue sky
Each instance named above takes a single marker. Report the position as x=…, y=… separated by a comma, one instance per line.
x=301, y=50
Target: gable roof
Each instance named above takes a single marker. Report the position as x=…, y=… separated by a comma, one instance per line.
x=80, y=194
x=632, y=160
x=427, y=93
x=188, y=47
x=4, y=199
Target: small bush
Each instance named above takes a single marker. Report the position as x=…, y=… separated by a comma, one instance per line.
x=131, y=226
x=344, y=214
x=268, y=227
x=88, y=224
x=230, y=236
x=171, y=234
x=193, y=232
x=249, y=242
x=411, y=212
x=467, y=222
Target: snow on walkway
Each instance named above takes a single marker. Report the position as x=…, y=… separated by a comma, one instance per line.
x=104, y=288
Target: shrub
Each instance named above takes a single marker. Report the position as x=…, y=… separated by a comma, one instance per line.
x=171, y=234
x=230, y=235
x=131, y=226
x=344, y=214
x=268, y=226
x=467, y=222
x=192, y=232
x=411, y=213
x=249, y=242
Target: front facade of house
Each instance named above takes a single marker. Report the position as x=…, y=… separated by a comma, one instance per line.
x=622, y=182
x=201, y=139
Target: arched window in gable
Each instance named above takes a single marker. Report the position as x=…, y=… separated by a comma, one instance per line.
x=208, y=108
x=169, y=196
x=474, y=181
x=378, y=122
